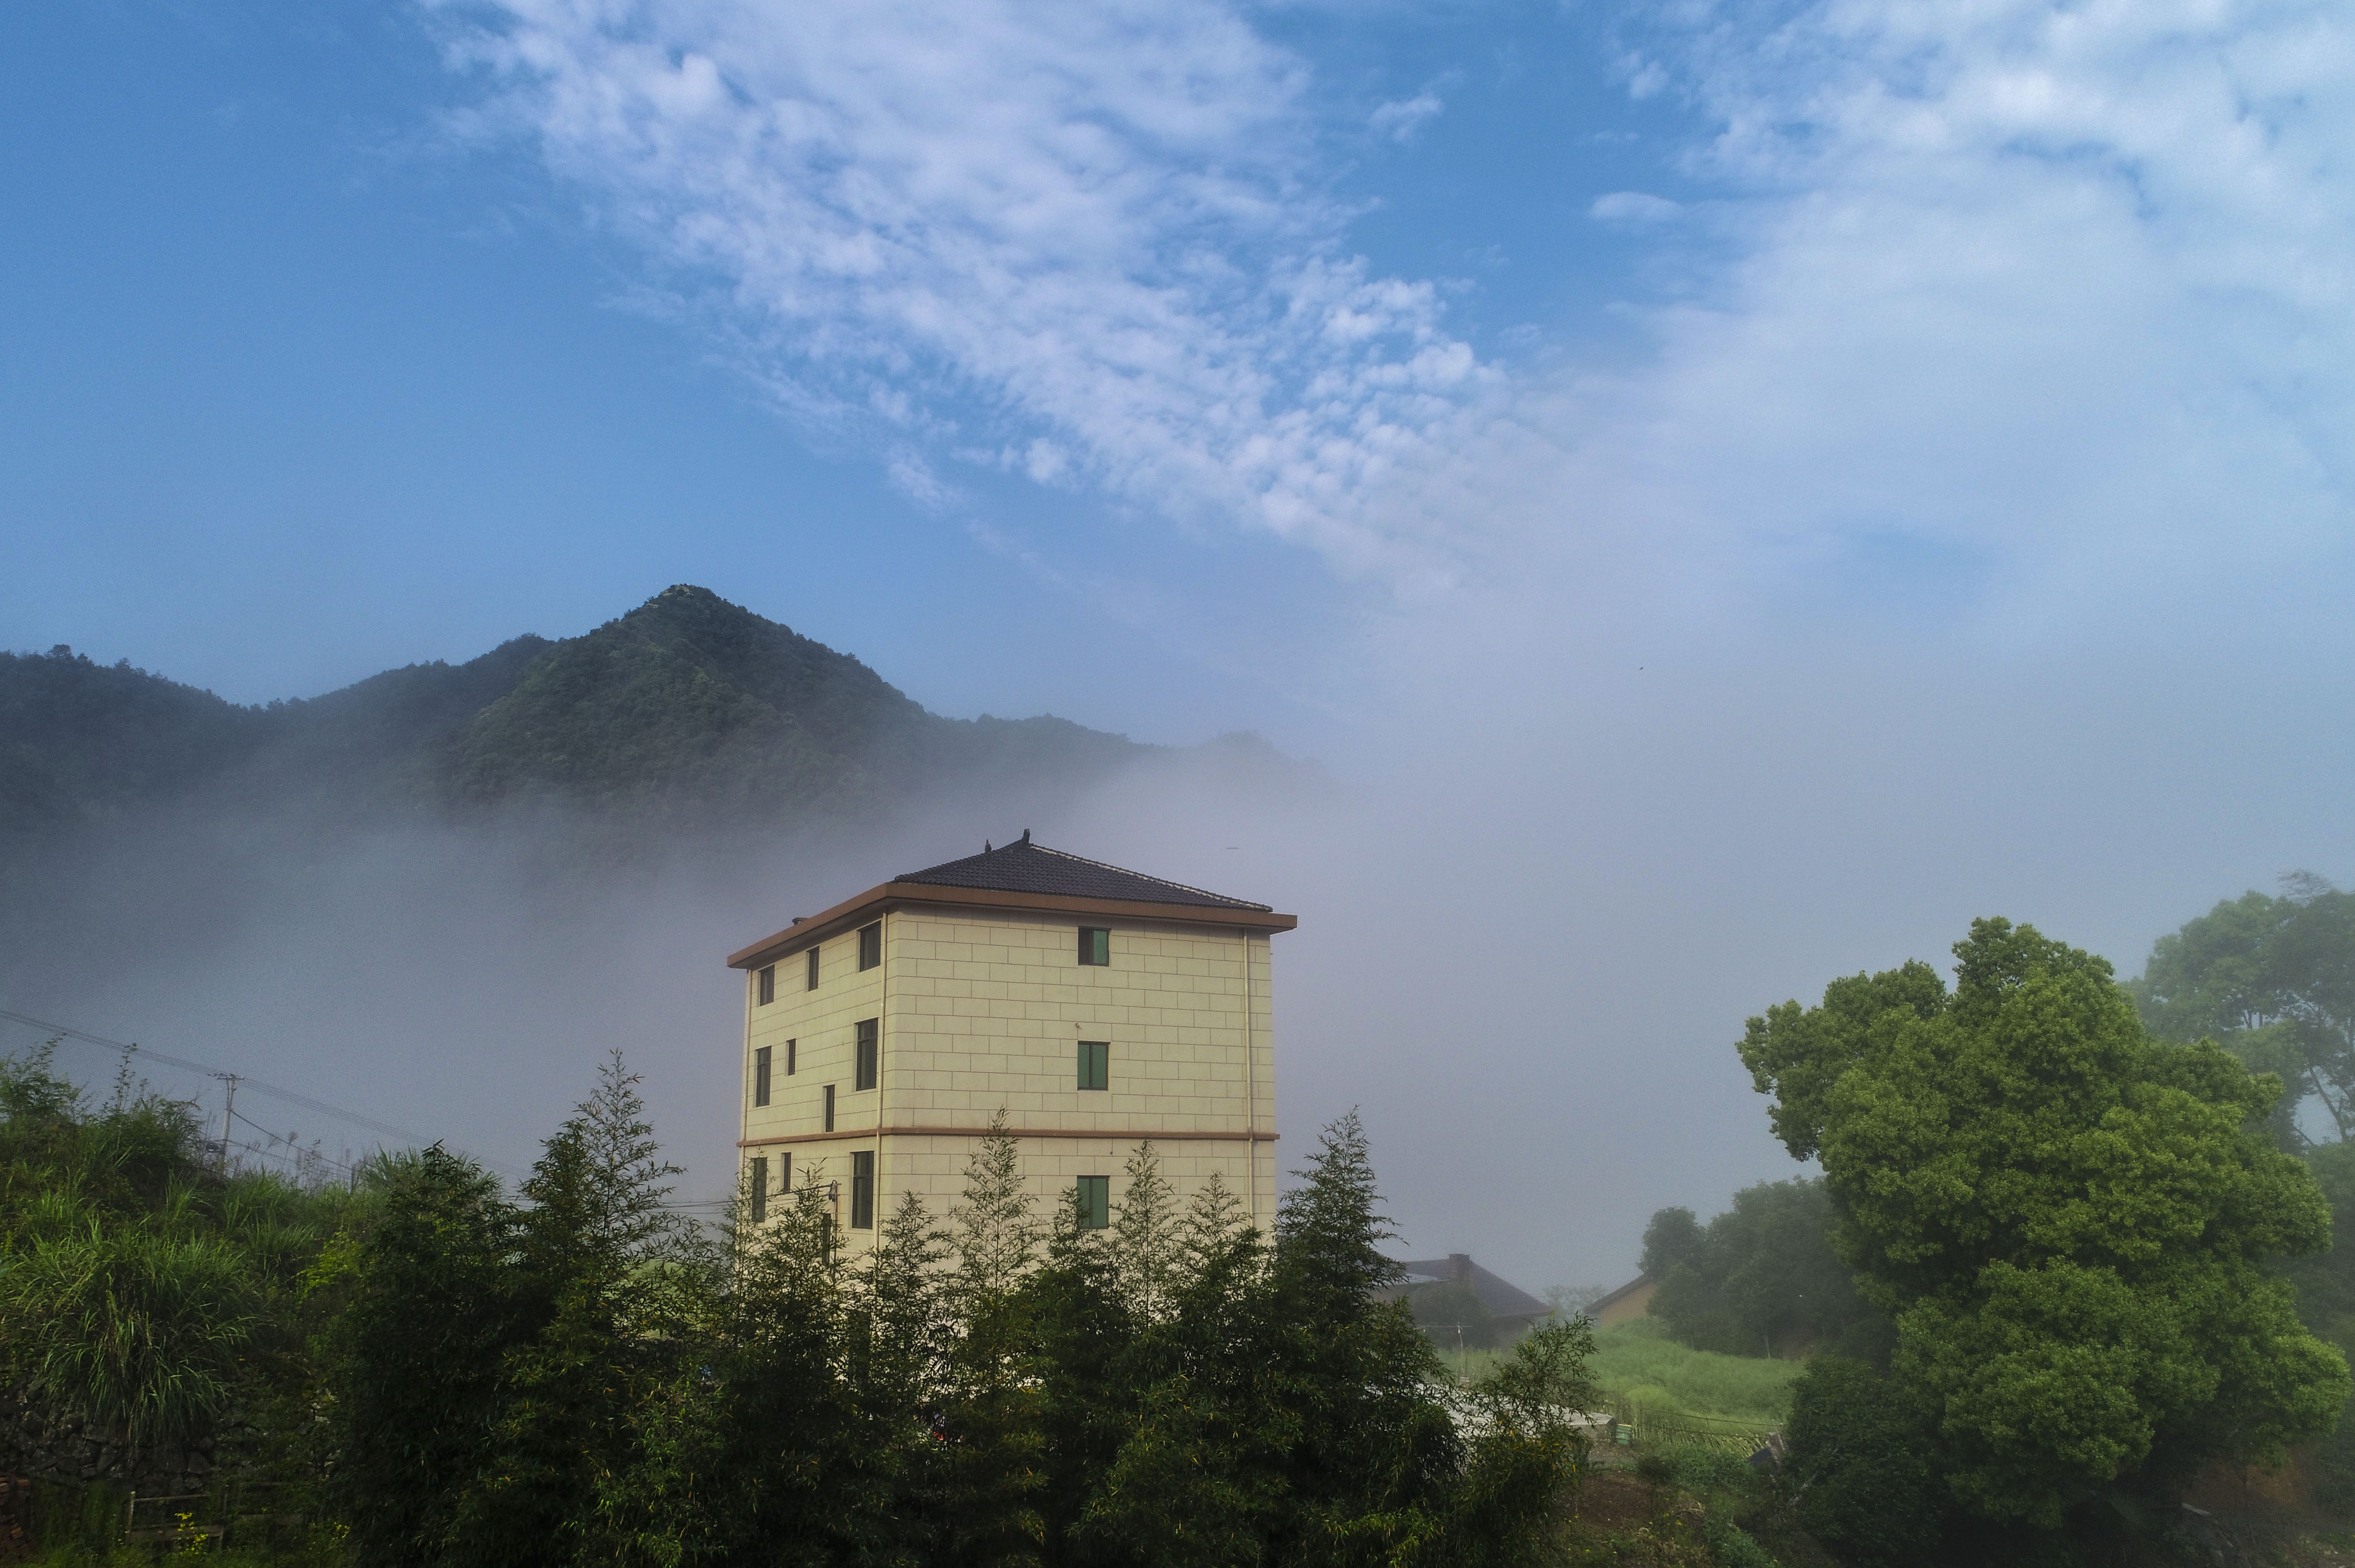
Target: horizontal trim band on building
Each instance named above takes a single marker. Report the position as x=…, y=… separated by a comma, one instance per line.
x=1135, y=1134
x=872, y=904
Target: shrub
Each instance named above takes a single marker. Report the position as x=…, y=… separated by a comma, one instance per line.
x=1862, y=1464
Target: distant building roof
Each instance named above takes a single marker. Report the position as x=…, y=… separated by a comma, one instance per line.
x=1023, y=867
x=1504, y=1299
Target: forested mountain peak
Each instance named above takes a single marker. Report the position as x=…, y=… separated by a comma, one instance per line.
x=686, y=708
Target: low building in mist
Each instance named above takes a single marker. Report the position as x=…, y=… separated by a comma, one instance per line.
x=1097, y=1007
x=1625, y=1305
x=1484, y=1308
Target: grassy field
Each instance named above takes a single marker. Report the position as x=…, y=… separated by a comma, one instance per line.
x=1637, y=1363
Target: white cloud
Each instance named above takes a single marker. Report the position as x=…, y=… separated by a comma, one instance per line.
x=2039, y=320
x=1399, y=121
x=1091, y=228
x=2053, y=299
x=1633, y=206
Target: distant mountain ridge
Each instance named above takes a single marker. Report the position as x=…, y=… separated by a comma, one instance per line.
x=688, y=710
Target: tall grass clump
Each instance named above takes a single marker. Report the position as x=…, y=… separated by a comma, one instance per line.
x=1637, y=1363
x=143, y=1292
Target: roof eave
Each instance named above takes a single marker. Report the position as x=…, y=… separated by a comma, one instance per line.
x=858, y=910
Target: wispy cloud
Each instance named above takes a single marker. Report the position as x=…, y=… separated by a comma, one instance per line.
x=1084, y=238
x=2068, y=285
x=1402, y=119
x=1633, y=206
x=2062, y=291
x=2066, y=294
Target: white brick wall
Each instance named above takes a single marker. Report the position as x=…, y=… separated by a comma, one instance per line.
x=983, y=1010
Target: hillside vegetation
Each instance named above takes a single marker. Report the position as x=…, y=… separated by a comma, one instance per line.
x=428, y=1369
x=688, y=711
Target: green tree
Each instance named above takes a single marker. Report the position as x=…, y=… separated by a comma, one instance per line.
x=1372, y=1455
x=1761, y=1276
x=994, y=1467
x=2067, y=1220
x=606, y=1273
x=1177, y=1395
x=1673, y=1236
x=2272, y=980
x=1863, y=1468
x=416, y=1353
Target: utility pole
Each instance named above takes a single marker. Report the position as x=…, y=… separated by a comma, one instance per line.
x=229, y=1109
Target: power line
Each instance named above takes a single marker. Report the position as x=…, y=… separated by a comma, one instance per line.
x=254, y=1085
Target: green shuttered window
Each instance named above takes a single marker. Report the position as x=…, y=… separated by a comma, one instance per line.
x=1095, y=946
x=862, y=1190
x=1095, y=1202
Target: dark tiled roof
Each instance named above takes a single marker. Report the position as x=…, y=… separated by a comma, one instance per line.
x=1499, y=1296
x=1023, y=867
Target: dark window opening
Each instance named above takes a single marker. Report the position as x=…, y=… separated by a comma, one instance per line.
x=813, y=969
x=1095, y=1064
x=768, y=984
x=761, y=1076
x=829, y=1107
x=870, y=946
x=758, y=1185
x=868, y=1054
x=1095, y=946
x=789, y=1056
x=862, y=1190
x=1095, y=1202
x=786, y=1173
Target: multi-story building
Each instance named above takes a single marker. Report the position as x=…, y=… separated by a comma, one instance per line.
x=1096, y=1006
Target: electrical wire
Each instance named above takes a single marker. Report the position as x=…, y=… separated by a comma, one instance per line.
x=129, y=1049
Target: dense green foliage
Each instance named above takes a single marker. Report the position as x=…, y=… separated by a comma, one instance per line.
x=572, y=1374
x=2067, y=1221
x=574, y=1370
x=139, y=1293
x=1760, y=1279
x=2273, y=981
x=1862, y=1461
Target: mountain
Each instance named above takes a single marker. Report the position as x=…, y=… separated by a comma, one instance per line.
x=687, y=711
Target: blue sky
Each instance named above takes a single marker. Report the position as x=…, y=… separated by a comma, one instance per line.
x=1781, y=479
x=316, y=366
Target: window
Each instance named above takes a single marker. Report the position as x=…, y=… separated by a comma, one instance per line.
x=829, y=1107
x=868, y=1052
x=1095, y=946
x=761, y=1076
x=870, y=946
x=813, y=970
x=1095, y=1202
x=757, y=1188
x=786, y=1173
x=768, y=984
x=862, y=1190
x=789, y=1056
x=1095, y=1064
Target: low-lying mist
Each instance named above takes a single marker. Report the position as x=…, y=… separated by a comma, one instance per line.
x=1531, y=925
